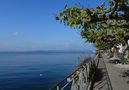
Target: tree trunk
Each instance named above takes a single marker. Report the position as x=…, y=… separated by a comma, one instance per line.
x=109, y=53
x=122, y=49
x=126, y=52
x=115, y=53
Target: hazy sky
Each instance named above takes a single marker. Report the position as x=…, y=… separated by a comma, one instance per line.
x=30, y=25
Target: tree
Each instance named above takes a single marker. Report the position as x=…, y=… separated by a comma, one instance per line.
x=104, y=24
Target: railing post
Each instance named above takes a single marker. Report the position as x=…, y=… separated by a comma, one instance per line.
x=57, y=88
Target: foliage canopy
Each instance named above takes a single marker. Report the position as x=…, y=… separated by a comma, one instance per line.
x=105, y=26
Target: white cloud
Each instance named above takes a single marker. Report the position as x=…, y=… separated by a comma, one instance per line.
x=16, y=33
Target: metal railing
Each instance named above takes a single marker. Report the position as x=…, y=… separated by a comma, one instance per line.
x=66, y=84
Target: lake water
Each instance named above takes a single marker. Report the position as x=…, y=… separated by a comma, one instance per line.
x=35, y=70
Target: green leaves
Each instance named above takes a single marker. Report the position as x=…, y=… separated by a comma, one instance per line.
x=57, y=18
x=65, y=6
x=103, y=4
x=83, y=12
x=104, y=26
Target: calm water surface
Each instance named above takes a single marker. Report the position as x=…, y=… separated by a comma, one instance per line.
x=35, y=71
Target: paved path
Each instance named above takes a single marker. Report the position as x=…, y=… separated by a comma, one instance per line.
x=101, y=80
x=118, y=81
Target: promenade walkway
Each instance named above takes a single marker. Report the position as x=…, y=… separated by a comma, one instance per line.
x=101, y=82
x=119, y=81
x=109, y=76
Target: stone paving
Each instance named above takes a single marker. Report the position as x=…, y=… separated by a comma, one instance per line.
x=119, y=77
x=101, y=78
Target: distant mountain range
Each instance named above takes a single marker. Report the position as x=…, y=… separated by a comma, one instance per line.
x=45, y=51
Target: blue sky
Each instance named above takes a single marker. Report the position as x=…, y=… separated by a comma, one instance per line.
x=30, y=25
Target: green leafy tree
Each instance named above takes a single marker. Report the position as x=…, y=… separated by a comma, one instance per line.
x=106, y=25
